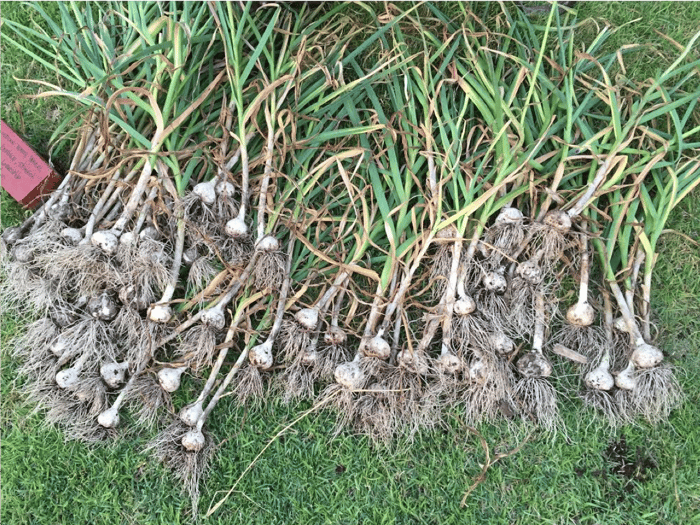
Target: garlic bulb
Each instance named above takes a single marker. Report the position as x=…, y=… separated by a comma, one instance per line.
x=206, y=191
x=350, y=375
x=335, y=336
x=71, y=235
x=581, y=314
x=509, y=215
x=377, y=347
x=160, y=313
x=236, y=228
x=307, y=317
x=449, y=363
x=193, y=440
x=495, y=282
x=501, y=343
x=109, y=418
x=214, y=317
x=600, y=378
x=260, y=356
x=102, y=307
x=114, y=374
x=106, y=241
x=646, y=355
x=169, y=378
x=625, y=380
x=268, y=244
x=464, y=306
x=191, y=413
x=558, y=220
x=413, y=361
x=534, y=364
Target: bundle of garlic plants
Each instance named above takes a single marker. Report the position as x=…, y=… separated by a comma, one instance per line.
x=254, y=204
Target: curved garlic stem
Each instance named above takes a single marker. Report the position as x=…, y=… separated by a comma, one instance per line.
x=583, y=201
x=39, y=216
x=70, y=376
x=582, y=313
x=396, y=338
x=267, y=173
x=145, y=210
x=161, y=311
x=534, y=363
x=448, y=299
x=244, y=354
x=232, y=291
x=195, y=410
x=89, y=227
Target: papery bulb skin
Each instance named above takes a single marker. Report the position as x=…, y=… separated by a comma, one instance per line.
x=205, y=192
x=478, y=372
x=268, y=244
x=309, y=357
x=194, y=440
x=102, y=307
x=106, y=241
x=349, y=375
x=71, y=235
x=114, y=374
x=448, y=232
x=127, y=239
x=236, y=228
x=581, y=314
x=646, y=356
x=307, y=318
x=464, y=306
x=149, y=233
x=225, y=189
x=501, y=343
x=169, y=378
x=11, y=235
x=625, y=380
x=509, y=215
x=58, y=346
x=558, y=220
x=189, y=256
x=260, y=356
x=377, y=347
x=530, y=271
x=534, y=364
x=160, y=313
x=214, y=318
x=599, y=379
x=22, y=253
x=190, y=414
x=109, y=418
x=412, y=361
x=449, y=363
x=335, y=336
x=67, y=378
x=495, y=282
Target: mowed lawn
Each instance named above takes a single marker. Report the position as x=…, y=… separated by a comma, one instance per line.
x=308, y=476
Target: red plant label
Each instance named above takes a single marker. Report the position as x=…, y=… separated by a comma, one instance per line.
x=25, y=175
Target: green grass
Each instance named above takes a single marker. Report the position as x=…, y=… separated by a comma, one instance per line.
x=306, y=476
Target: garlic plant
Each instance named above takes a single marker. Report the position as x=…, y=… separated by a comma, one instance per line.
x=389, y=240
